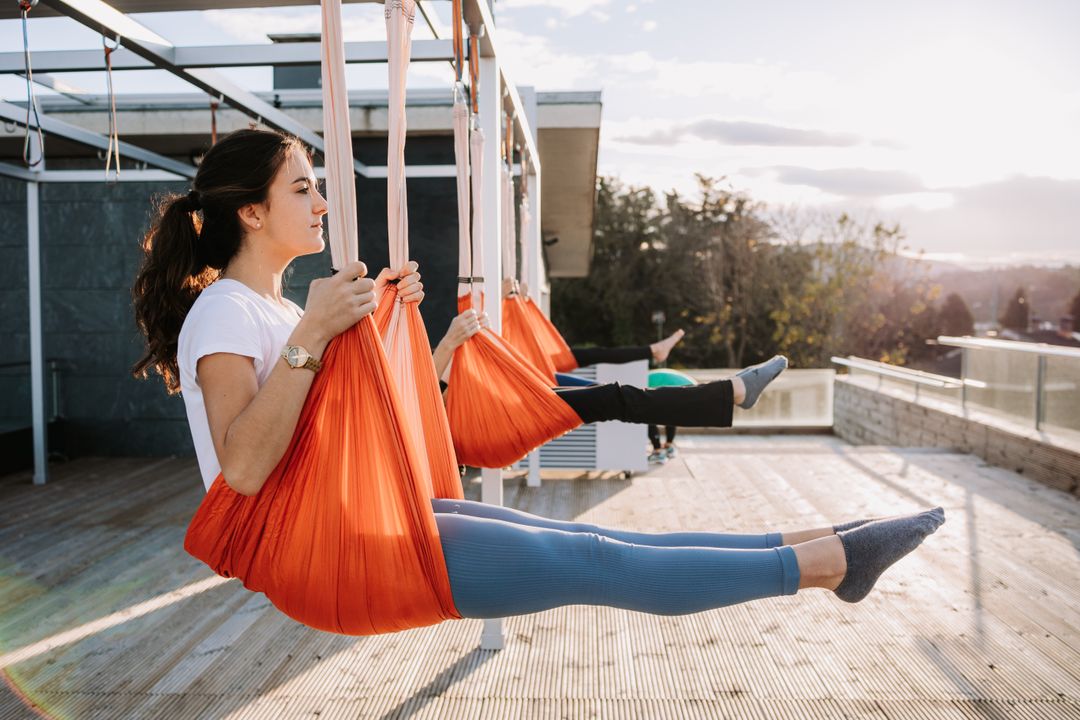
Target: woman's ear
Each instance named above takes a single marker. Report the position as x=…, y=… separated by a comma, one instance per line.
x=251, y=216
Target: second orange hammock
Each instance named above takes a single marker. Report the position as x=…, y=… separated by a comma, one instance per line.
x=498, y=405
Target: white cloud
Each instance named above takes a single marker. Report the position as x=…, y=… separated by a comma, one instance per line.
x=648, y=25
x=631, y=8
x=918, y=200
x=532, y=60
x=567, y=8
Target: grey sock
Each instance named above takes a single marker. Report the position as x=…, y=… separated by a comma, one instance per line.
x=871, y=548
x=851, y=525
x=757, y=377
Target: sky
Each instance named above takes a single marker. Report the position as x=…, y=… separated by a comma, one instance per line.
x=959, y=120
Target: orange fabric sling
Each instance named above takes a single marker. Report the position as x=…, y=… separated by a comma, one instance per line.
x=549, y=338
x=516, y=325
x=524, y=325
x=498, y=405
x=341, y=537
x=518, y=330
x=400, y=324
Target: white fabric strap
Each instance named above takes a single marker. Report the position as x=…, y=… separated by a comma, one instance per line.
x=399, y=16
x=340, y=182
x=461, y=158
x=476, y=147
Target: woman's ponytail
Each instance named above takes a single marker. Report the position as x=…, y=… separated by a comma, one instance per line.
x=173, y=274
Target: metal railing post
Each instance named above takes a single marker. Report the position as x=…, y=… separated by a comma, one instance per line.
x=1040, y=387
x=963, y=379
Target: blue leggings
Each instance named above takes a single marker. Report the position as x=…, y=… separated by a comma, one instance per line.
x=504, y=562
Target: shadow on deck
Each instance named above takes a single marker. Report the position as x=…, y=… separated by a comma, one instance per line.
x=103, y=615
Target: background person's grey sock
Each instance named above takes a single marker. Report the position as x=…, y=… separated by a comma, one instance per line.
x=871, y=548
x=756, y=377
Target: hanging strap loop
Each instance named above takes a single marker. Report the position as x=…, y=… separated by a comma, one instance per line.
x=114, y=132
x=25, y=6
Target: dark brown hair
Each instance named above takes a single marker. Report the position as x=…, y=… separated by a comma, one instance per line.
x=194, y=237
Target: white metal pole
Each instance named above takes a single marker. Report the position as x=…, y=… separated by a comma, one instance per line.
x=37, y=356
x=490, y=117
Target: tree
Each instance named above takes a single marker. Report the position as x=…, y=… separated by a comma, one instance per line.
x=744, y=282
x=955, y=316
x=1074, y=310
x=1016, y=313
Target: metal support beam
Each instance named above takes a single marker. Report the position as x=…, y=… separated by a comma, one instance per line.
x=490, y=114
x=18, y=173
x=477, y=12
x=95, y=176
x=52, y=126
x=144, y=42
x=219, y=56
x=75, y=93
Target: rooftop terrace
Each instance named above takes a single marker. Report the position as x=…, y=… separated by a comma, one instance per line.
x=103, y=615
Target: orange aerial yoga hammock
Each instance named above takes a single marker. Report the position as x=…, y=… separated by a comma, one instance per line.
x=400, y=324
x=517, y=327
x=498, y=405
x=548, y=337
x=524, y=325
x=341, y=537
x=501, y=406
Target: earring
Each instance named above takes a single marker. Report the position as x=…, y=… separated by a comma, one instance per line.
x=258, y=226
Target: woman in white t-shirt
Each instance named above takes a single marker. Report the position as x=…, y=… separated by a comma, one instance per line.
x=209, y=301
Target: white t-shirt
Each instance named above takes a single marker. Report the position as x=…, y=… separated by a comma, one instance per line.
x=228, y=317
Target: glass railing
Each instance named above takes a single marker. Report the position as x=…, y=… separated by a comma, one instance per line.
x=798, y=398
x=1032, y=384
x=914, y=385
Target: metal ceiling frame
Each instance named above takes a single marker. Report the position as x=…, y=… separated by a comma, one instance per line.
x=50, y=125
x=219, y=56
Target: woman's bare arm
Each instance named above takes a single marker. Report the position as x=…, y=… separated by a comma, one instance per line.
x=462, y=327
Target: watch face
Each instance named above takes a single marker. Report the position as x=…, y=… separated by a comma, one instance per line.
x=297, y=356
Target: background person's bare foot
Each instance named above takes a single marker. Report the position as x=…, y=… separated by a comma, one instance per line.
x=661, y=349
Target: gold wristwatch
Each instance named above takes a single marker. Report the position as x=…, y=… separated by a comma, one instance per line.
x=298, y=357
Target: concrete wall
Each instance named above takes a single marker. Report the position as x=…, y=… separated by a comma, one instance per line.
x=90, y=236
x=866, y=416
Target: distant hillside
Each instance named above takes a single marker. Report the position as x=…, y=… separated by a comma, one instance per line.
x=1048, y=289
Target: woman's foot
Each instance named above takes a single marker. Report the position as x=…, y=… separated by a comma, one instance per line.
x=661, y=349
x=669, y=449
x=657, y=457
x=756, y=378
x=870, y=549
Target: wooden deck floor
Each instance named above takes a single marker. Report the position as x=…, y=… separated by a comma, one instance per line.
x=102, y=614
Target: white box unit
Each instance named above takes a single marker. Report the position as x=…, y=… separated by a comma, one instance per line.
x=614, y=446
